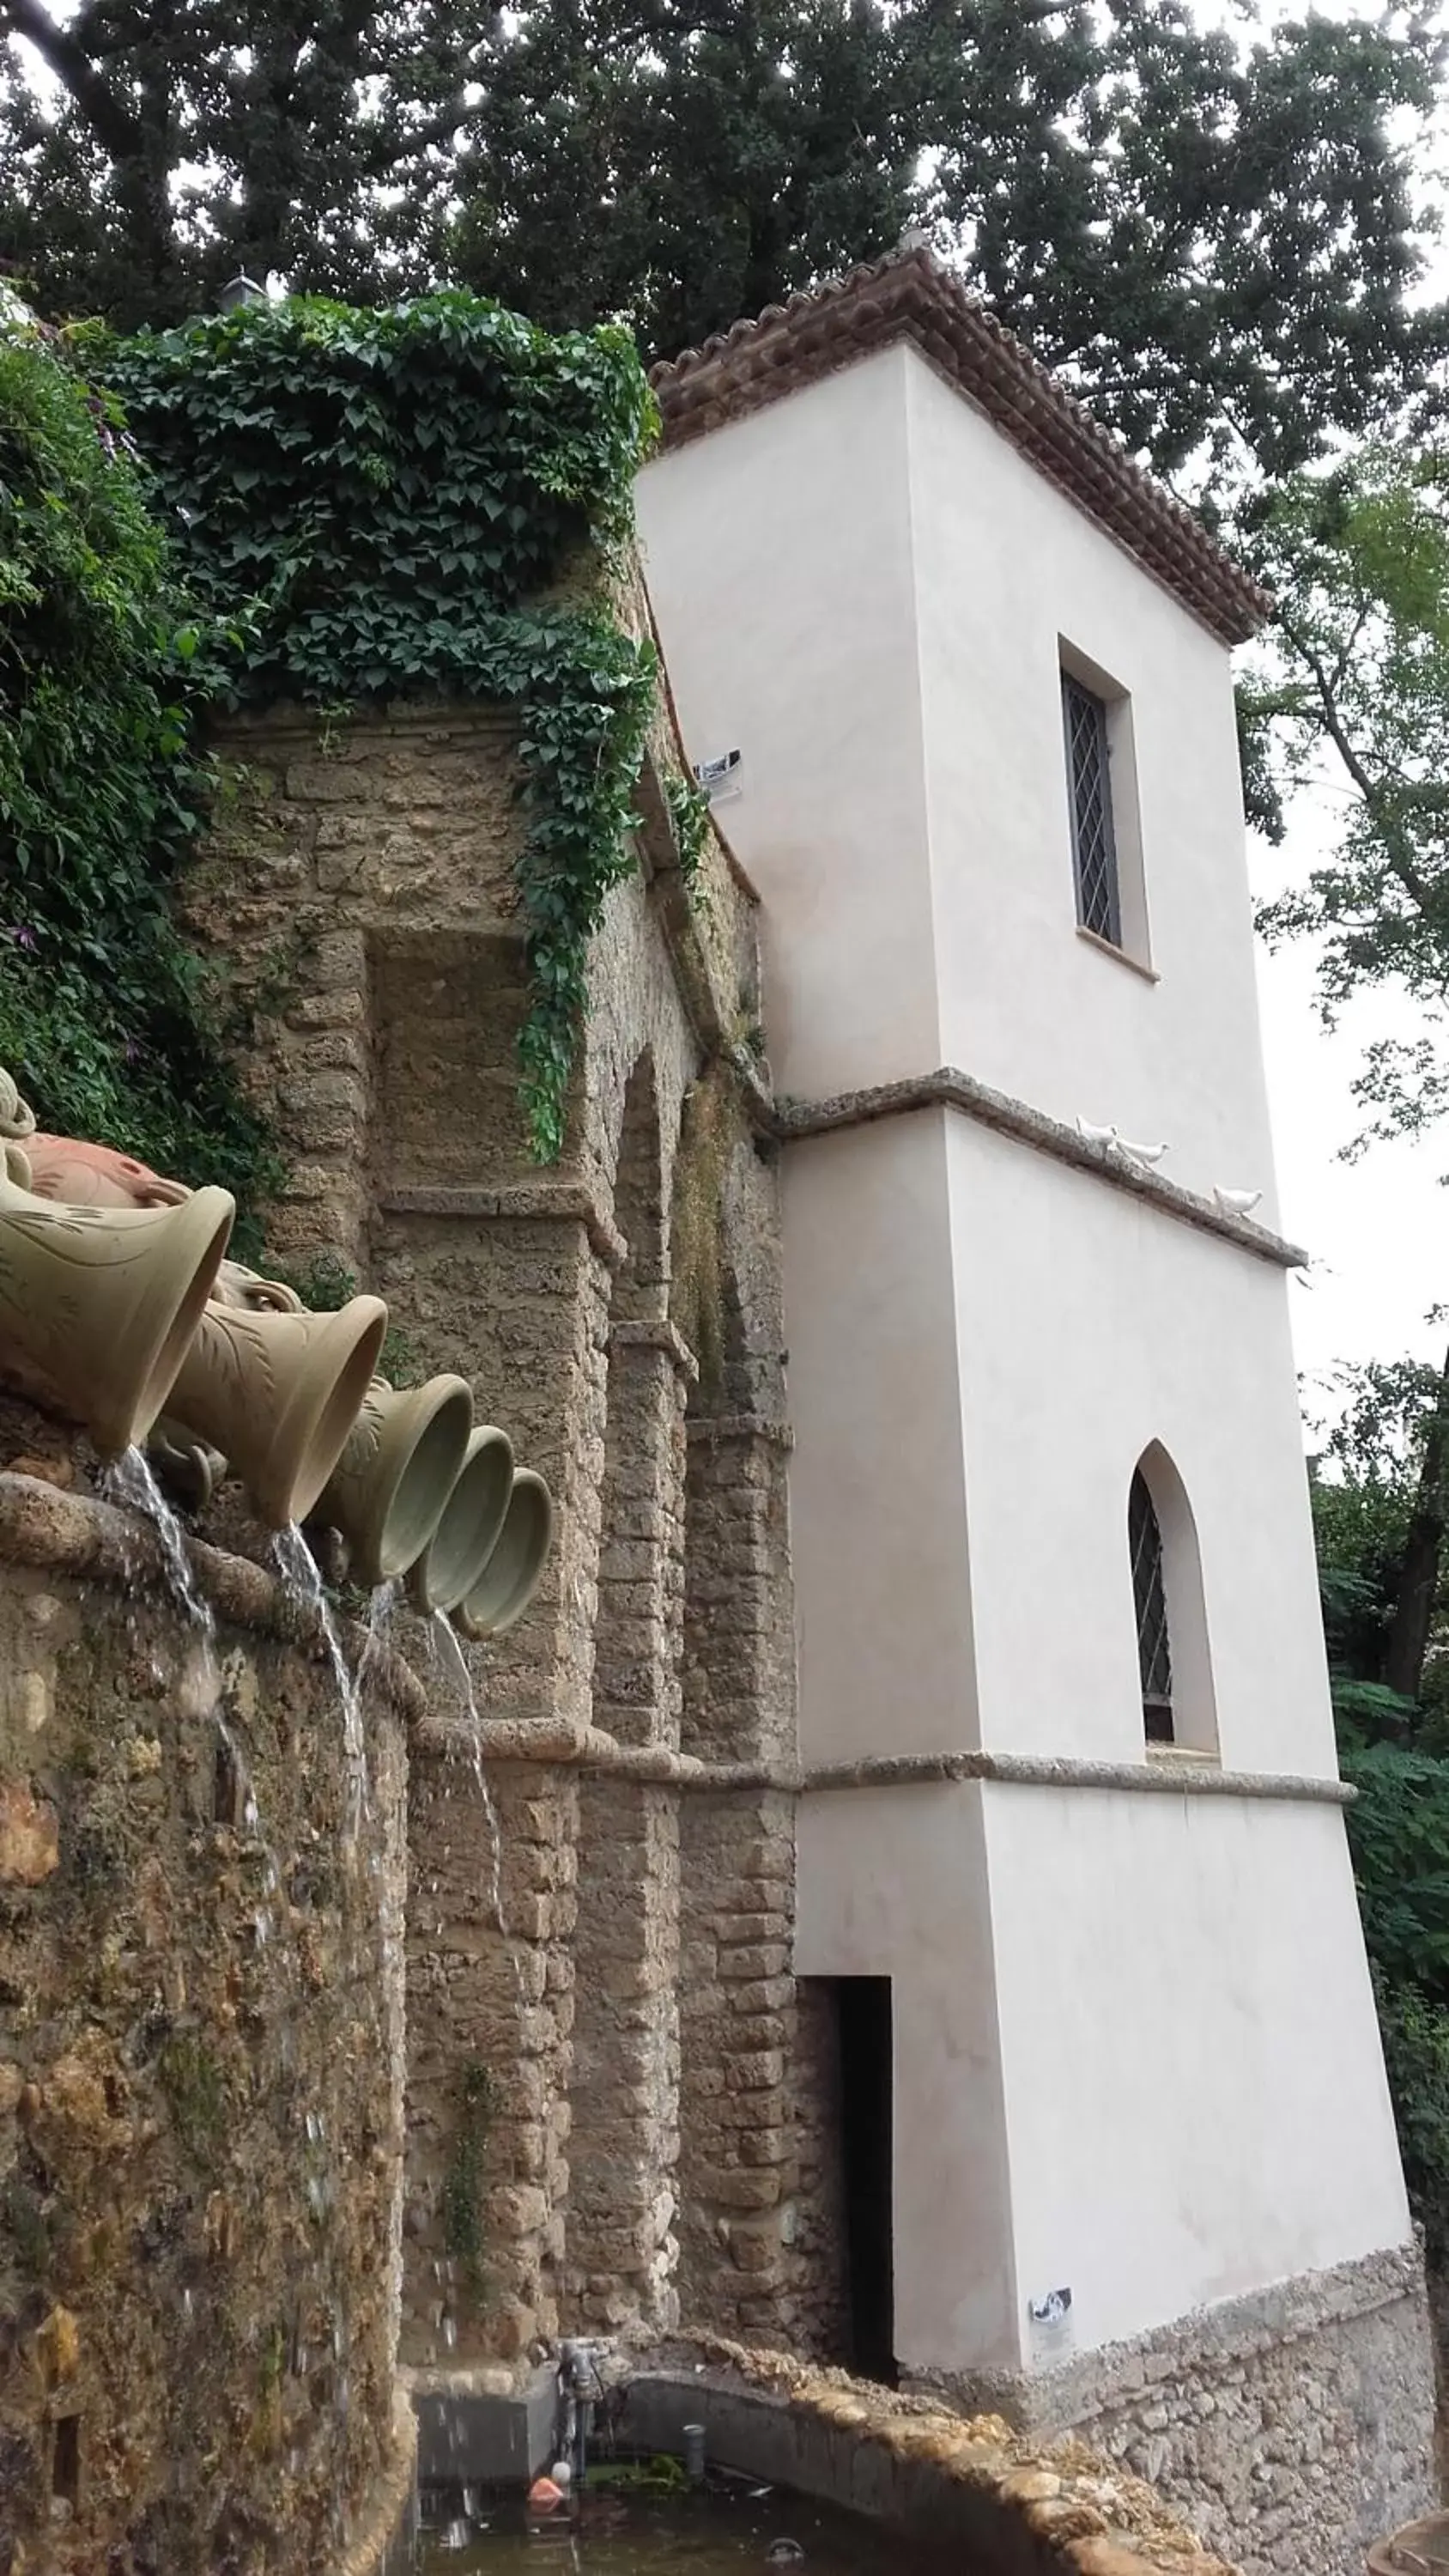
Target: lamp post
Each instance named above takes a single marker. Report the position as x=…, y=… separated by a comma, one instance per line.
x=240, y=290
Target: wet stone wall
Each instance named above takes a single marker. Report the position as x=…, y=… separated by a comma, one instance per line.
x=201, y=2043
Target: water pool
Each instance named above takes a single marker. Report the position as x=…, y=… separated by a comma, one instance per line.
x=723, y=2529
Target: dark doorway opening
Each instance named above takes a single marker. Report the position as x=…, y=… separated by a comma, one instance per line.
x=863, y=2016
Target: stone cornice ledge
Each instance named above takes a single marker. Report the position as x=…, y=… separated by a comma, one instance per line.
x=949, y=1088
x=1060, y=1771
x=52, y=1531
x=565, y=1197
x=655, y=1333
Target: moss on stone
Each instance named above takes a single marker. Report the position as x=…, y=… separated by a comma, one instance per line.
x=706, y=1144
x=196, y=2092
x=463, y=2179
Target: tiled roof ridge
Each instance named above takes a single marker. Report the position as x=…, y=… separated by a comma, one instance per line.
x=910, y=294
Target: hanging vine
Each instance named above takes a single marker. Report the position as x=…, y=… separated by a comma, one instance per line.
x=373, y=505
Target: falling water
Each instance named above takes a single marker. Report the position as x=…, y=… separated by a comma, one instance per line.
x=380, y=1610
x=129, y=1481
x=443, y=1632
x=298, y=1566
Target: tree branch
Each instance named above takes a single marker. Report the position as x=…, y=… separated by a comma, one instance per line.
x=112, y=124
x=1415, y=885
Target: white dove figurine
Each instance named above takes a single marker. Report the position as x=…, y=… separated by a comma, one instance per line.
x=1096, y=1135
x=1236, y=1202
x=1141, y=1153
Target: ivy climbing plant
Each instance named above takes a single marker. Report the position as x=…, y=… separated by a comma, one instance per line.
x=106, y=1019
x=378, y=504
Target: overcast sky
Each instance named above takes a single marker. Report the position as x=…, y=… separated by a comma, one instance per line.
x=1378, y=1229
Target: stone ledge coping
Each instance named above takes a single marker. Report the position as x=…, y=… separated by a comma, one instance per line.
x=358, y=731
x=1212, y=2338
x=582, y=1747
x=1011, y=2499
x=76, y=1534
x=949, y=1088
x=1062, y=1771
x=551, y=1201
x=712, y=1429
x=656, y=1333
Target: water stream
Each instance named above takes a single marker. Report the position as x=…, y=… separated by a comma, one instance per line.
x=443, y=1636
x=131, y=1483
x=298, y=1567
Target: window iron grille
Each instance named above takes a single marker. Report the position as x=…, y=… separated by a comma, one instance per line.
x=1154, y=1651
x=1094, y=841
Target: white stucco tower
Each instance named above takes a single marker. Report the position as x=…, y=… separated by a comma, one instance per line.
x=1065, y=1729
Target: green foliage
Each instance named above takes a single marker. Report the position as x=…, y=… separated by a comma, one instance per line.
x=661, y=2475
x=1364, y=1488
x=463, y=2179
x=106, y=1020
x=315, y=139
x=1415, y=2032
x=1358, y=557
x=1214, y=231
x=1399, y=1835
x=689, y=814
x=370, y=500
x=1394, y=1752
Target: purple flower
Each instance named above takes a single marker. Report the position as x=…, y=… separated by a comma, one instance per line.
x=20, y=935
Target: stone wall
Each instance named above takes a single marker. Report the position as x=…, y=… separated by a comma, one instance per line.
x=1287, y=2427
x=602, y=2099
x=200, y=2068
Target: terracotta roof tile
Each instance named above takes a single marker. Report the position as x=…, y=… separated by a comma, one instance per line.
x=910, y=296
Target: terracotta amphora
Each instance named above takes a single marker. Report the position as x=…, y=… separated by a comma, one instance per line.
x=473, y=1515
x=99, y=1305
x=278, y=1393
x=62, y=1167
x=514, y=1570
x=393, y=1480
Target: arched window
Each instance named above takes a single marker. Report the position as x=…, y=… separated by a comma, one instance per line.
x=1149, y=1593
x=1174, y=1662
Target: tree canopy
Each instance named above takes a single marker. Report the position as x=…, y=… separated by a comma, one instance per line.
x=1214, y=239
x=1358, y=557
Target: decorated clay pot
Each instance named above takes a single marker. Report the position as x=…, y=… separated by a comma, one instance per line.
x=98, y=1305
x=278, y=1393
x=514, y=1569
x=395, y=1475
x=62, y=1167
x=473, y=1515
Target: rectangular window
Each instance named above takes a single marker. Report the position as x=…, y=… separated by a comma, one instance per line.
x=1094, y=840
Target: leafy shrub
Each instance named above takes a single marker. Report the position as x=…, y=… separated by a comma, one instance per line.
x=1398, y=1829
x=1416, y=2054
x=106, y=1019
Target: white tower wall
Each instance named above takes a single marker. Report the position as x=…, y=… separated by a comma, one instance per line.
x=1135, y=2051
